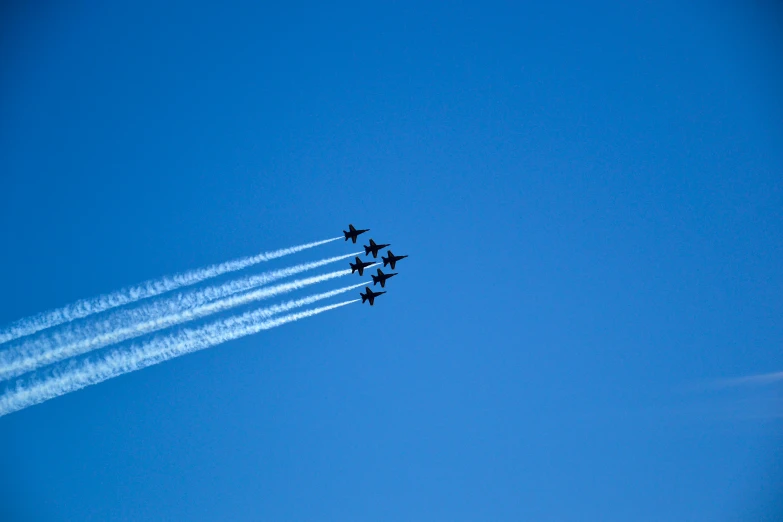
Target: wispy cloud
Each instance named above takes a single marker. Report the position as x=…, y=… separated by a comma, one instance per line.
x=760, y=379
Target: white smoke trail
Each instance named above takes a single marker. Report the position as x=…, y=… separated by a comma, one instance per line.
x=86, y=307
x=24, y=363
x=118, y=361
x=157, y=315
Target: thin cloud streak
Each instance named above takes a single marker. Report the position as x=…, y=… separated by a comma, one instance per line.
x=750, y=380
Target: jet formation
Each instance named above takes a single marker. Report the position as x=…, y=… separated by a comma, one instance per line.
x=359, y=265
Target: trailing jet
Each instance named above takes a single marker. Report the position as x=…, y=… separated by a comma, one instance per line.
x=373, y=248
x=370, y=295
x=381, y=278
x=360, y=266
x=392, y=259
x=353, y=233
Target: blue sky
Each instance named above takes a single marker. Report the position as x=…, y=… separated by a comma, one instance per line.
x=592, y=201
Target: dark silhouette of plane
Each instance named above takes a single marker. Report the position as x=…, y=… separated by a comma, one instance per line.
x=392, y=259
x=373, y=248
x=352, y=233
x=360, y=266
x=381, y=278
x=370, y=295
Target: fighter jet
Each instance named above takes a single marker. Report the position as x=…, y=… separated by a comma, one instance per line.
x=373, y=248
x=381, y=278
x=392, y=259
x=370, y=295
x=360, y=266
x=353, y=233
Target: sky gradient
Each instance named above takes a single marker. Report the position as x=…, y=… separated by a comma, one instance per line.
x=591, y=198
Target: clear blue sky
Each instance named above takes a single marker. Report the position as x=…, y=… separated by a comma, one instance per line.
x=591, y=195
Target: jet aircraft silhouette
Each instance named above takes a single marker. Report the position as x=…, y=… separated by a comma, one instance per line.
x=373, y=248
x=392, y=259
x=360, y=266
x=353, y=233
x=381, y=278
x=370, y=295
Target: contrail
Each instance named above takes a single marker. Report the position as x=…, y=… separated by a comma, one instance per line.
x=157, y=315
x=86, y=307
x=74, y=376
x=25, y=362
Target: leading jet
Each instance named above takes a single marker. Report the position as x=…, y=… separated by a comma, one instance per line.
x=370, y=295
x=392, y=259
x=360, y=266
x=373, y=248
x=352, y=233
x=381, y=278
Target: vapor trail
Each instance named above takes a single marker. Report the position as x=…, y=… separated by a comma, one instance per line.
x=26, y=362
x=74, y=376
x=126, y=324
x=85, y=307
